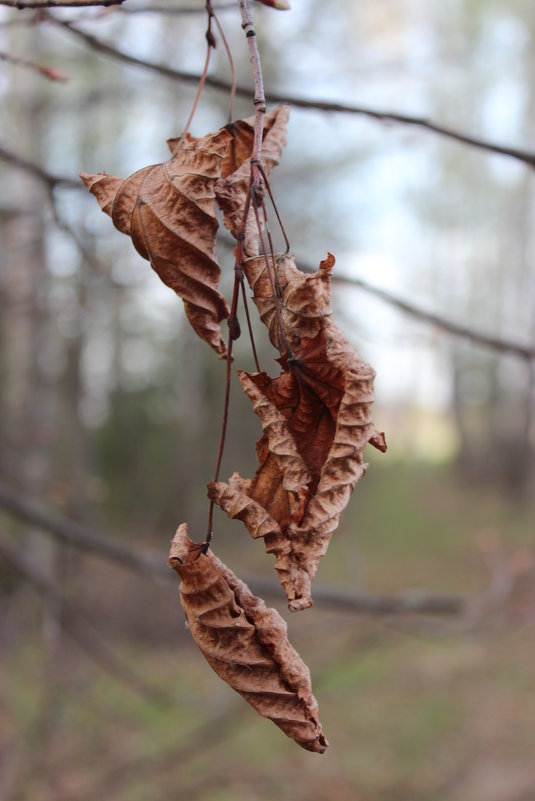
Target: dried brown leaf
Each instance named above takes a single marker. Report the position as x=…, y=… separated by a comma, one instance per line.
x=168, y=210
x=316, y=420
x=246, y=643
x=233, y=186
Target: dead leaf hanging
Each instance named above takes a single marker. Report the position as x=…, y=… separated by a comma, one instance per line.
x=232, y=188
x=316, y=420
x=168, y=210
x=245, y=642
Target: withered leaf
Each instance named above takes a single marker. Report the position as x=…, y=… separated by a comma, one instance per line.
x=168, y=210
x=246, y=643
x=316, y=421
x=232, y=188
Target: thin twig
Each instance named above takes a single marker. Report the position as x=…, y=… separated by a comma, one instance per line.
x=174, y=10
x=224, y=421
x=154, y=564
x=80, y=629
x=249, y=325
x=21, y=4
x=279, y=220
x=47, y=72
x=499, y=344
x=82, y=537
x=525, y=156
x=210, y=43
x=89, y=258
x=233, y=334
x=231, y=66
x=45, y=177
x=271, y=270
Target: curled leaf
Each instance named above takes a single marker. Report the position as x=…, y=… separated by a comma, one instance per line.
x=232, y=188
x=316, y=421
x=168, y=210
x=245, y=642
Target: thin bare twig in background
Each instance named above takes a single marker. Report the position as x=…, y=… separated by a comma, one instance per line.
x=176, y=10
x=155, y=565
x=527, y=157
x=50, y=73
x=499, y=344
x=505, y=569
x=90, y=259
x=81, y=630
x=82, y=537
x=51, y=180
x=22, y=4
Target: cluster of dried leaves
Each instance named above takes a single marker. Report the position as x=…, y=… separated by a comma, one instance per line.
x=315, y=415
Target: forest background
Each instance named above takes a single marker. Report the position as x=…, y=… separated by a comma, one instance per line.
x=420, y=641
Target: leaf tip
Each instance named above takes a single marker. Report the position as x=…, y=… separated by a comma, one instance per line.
x=298, y=604
x=104, y=187
x=89, y=179
x=183, y=550
x=317, y=746
x=327, y=264
x=378, y=440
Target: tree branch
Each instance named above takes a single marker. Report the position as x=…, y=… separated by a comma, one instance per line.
x=80, y=629
x=38, y=172
x=21, y=4
x=176, y=10
x=527, y=157
x=525, y=352
x=47, y=72
x=82, y=537
x=499, y=344
x=152, y=564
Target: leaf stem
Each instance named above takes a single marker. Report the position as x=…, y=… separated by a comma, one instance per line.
x=255, y=197
x=224, y=424
x=233, y=333
x=272, y=275
x=268, y=187
x=249, y=326
x=210, y=43
x=231, y=65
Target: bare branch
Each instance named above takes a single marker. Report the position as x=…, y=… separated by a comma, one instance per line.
x=38, y=172
x=176, y=10
x=526, y=352
x=410, y=602
x=499, y=344
x=89, y=258
x=80, y=629
x=21, y=4
x=83, y=537
x=527, y=157
x=152, y=564
x=47, y=72
x=102, y=47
